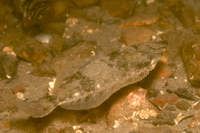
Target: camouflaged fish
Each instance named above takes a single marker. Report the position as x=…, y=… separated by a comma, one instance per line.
x=89, y=82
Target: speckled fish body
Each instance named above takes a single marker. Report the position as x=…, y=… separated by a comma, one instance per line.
x=87, y=83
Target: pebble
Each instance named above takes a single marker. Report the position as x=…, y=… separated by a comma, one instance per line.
x=164, y=118
x=170, y=107
x=118, y=8
x=141, y=20
x=131, y=106
x=30, y=49
x=137, y=35
x=184, y=93
x=162, y=100
x=183, y=105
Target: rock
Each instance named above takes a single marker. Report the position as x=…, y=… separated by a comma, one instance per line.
x=162, y=70
x=118, y=8
x=162, y=100
x=130, y=107
x=164, y=117
x=184, y=93
x=183, y=105
x=29, y=49
x=137, y=35
x=57, y=43
x=170, y=107
x=140, y=20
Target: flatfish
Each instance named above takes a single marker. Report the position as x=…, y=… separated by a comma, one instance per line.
x=88, y=82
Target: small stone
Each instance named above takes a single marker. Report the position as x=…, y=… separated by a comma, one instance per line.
x=162, y=100
x=118, y=8
x=30, y=49
x=137, y=35
x=165, y=117
x=162, y=71
x=130, y=107
x=183, y=105
x=184, y=93
x=56, y=43
x=170, y=107
x=143, y=20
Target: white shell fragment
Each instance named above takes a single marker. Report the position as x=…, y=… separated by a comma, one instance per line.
x=43, y=38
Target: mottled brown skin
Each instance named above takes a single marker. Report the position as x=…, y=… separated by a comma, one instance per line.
x=88, y=82
x=92, y=82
